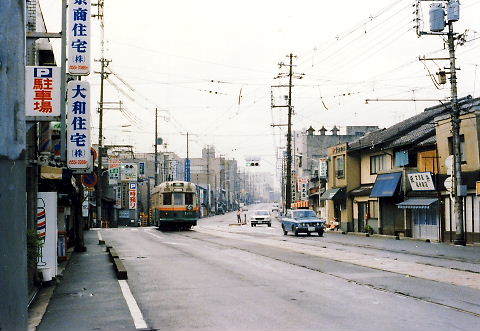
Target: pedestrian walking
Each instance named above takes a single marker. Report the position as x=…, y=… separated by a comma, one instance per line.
x=239, y=216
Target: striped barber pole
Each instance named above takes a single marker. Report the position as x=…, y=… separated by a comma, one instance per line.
x=41, y=220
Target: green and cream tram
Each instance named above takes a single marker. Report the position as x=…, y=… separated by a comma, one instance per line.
x=175, y=205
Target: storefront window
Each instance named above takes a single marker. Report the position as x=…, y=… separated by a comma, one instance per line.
x=378, y=163
x=340, y=166
x=373, y=209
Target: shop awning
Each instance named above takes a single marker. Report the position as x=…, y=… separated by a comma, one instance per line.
x=333, y=194
x=361, y=191
x=417, y=203
x=386, y=185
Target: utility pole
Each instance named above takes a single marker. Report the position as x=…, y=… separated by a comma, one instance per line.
x=437, y=25
x=13, y=246
x=290, y=75
x=289, y=138
x=103, y=75
x=457, y=153
x=156, y=146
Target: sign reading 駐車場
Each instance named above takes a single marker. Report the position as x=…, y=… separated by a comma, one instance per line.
x=42, y=91
x=78, y=125
x=78, y=36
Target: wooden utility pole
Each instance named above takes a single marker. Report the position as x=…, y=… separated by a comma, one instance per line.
x=290, y=75
x=457, y=152
x=103, y=75
x=288, y=195
x=156, y=146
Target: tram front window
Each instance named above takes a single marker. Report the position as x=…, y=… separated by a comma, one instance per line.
x=167, y=198
x=189, y=198
x=178, y=199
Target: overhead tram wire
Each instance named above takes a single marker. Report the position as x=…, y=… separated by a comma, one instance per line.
x=359, y=51
x=332, y=51
x=374, y=51
x=357, y=27
x=193, y=59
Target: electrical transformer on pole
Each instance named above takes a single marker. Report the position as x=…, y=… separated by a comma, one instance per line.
x=437, y=25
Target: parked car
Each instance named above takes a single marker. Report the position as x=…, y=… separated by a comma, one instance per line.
x=302, y=221
x=260, y=217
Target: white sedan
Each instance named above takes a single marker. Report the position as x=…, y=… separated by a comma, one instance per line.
x=260, y=217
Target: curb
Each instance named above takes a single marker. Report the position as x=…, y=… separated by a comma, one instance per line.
x=118, y=266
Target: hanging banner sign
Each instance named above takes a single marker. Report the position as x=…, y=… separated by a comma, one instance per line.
x=302, y=187
x=322, y=168
x=78, y=125
x=118, y=197
x=132, y=196
x=42, y=91
x=113, y=171
x=79, y=30
x=421, y=181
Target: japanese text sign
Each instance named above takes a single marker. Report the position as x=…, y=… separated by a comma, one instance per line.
x=78, y=32
x=421, y=181
x=42, y=91
x=129, y=172
x=132, y=196
x=113, y=171
x=78, y=125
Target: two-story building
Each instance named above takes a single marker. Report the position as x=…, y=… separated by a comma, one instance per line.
x=391, y=181
x=469, y=144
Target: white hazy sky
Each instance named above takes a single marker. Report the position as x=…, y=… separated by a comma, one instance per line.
x=173, y=53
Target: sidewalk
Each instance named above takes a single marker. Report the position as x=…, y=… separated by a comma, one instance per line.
x=89, y=296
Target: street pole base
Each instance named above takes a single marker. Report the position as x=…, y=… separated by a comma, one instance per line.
x=460, y=242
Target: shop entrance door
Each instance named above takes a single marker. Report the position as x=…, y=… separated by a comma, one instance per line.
x=362, y=207
x=425, y=223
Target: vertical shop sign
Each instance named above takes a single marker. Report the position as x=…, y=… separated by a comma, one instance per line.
x=78, y=125
x=78, y=35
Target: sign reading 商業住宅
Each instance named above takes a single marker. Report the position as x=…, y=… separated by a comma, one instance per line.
x=42, y=91
x=78, y=32
x=421, y=181
x=78, y=125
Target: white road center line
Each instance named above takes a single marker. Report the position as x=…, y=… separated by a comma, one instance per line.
x=132, y=306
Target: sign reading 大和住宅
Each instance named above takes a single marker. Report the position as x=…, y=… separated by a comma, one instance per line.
x=421, y=181
x=78, y=33
x=42, y=91
x=78, y=125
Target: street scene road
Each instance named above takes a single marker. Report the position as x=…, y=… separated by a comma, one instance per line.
x=221, y=276
x=275, y=165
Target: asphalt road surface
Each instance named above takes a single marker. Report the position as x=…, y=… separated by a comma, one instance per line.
x=222, y=277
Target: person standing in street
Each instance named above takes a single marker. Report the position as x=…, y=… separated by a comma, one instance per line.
x=239, y=216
